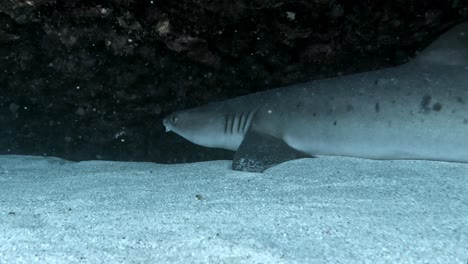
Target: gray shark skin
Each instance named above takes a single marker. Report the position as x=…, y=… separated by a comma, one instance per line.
x=418, y=110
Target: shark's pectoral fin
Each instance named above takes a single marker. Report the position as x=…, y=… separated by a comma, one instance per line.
x=259, y=151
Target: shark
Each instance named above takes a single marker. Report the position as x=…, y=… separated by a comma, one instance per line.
x=417, y=111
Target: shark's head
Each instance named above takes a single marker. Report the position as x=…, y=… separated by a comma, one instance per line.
x=210, y=128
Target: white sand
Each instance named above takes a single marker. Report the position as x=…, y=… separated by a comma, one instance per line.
x=325, y=210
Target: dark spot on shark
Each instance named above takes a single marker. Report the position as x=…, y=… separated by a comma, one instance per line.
x=393, y=102
x=298, y=105
x=349, y=108
x=437, y=107
x=460, y=100
x=377, y=107
x=314, y=114
x=334, y=123
x=425, y=103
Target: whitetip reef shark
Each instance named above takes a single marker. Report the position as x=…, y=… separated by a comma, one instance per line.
x=418, y=110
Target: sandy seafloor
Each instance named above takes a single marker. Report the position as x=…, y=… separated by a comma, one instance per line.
x=324, y=210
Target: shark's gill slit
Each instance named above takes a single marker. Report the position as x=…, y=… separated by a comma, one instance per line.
x=248, y=121
x=226, y=123
x=243, y=118
x=231, y=123
x=235, y=121
x=244, y=122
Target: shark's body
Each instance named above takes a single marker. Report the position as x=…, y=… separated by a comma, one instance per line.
x=418, y=110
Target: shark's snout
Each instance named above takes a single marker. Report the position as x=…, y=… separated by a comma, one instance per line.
x=171, y=121
x=167, y=124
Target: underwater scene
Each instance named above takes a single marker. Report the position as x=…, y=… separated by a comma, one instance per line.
x=199, y=131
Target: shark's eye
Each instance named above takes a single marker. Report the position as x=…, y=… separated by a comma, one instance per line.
x=174, y=120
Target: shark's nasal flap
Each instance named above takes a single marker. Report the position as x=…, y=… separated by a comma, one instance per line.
x=259, y=151
x=451, y=48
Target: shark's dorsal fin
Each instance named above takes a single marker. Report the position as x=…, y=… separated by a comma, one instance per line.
x=451, y=48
